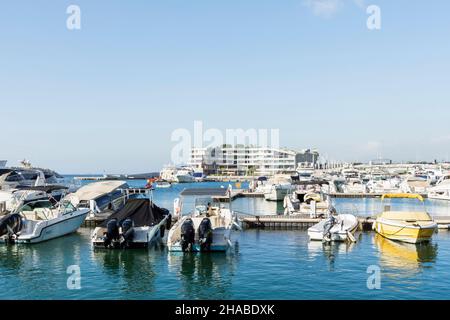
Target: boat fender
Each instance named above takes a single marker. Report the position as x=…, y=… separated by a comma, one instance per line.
x=187, y=235
x=205, y=234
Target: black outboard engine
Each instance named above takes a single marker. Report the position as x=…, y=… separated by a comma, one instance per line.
x=127, y=232
x=205, y=235
x=10, y=225
x=329, y=224
x=187, y=235
x=112, y=232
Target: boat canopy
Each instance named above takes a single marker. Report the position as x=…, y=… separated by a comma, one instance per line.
x=203, y=192
x=402, y=196
x=143, y=212
x=95, y=190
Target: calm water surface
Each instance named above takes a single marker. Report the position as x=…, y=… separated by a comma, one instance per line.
x=263, y=264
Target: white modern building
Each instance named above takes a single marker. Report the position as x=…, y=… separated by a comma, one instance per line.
x=249, y=160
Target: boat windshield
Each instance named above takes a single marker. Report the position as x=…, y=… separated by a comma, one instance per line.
x=67, y=207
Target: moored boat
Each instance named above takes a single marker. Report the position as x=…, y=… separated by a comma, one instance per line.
x=208, y=228
x=405, y=226
x=336, y=228
x=139, y=224
x=40, y=220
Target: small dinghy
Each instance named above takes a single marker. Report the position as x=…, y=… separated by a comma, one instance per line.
x=137, y=225
x=335, y=228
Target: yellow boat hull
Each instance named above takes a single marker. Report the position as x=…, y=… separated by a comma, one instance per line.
x=406, y=233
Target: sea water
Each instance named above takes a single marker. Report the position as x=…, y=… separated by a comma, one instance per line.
x=263, y=264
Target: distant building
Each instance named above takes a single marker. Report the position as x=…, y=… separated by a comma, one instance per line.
x=2, y=163
x=249, y=160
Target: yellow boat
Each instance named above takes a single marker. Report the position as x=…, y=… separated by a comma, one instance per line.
x=405, y=226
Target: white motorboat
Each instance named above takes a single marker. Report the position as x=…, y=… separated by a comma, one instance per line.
x=185, y=175
x=335, y=228
x=354, y=186
x=139, y=224
x=277, y=188
x=40, y=220
x=383, y=185
x=27, y=175
x=414, y=184
x=208, y=228
x=168, y=174
x=309, y=199
x=23, y=194
x=442, y=189
x=163, y=185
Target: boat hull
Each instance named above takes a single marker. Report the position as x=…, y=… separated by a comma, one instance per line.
x=338, y=233
x=220, y=242
x=405, y=233
x=51, y=229
x=144, y=237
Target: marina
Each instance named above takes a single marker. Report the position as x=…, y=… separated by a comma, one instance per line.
x=265, y=228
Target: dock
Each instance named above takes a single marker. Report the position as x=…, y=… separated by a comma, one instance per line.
x=239, y=193
x=361, y=195
x=305, y=221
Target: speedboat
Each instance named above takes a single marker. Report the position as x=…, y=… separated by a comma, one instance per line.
x=139, y=224
x=185, y=175
x=40, y=220
x=23, y=194
x=442, y=189
x=354, y=186
x=308, y=199
x=206, y=229
x=163, y=184
x=405, y=226
x=277, y=188
x=335, y=228
x=27, y=175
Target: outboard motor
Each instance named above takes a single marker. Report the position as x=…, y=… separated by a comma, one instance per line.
x=112, y=232
x=329, y=224
x=205, y=235
x=10, y=225
x=127, y=232
x=187, y=235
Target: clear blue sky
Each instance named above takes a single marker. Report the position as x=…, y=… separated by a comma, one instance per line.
x=108, y=96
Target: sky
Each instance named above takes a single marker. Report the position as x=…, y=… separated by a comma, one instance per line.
x=107, y=97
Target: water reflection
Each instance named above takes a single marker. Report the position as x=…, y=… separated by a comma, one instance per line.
x=203, y=275
x=407, y=258
x=329, y=250
x=133, y=268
